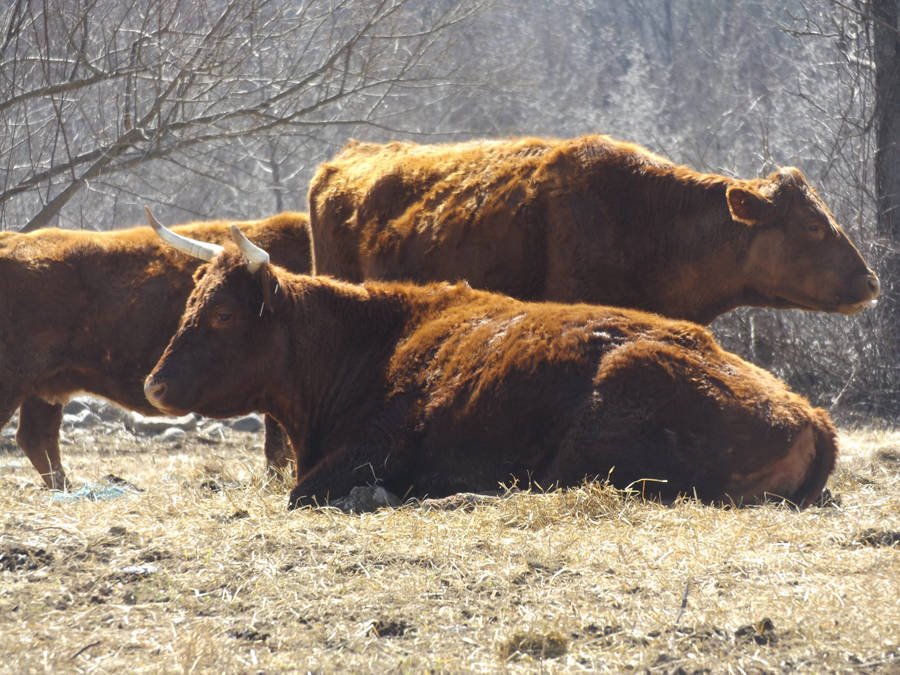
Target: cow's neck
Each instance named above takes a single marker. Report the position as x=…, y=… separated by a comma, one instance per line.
x=702, y=289
x=336, y=342
x=702, y=256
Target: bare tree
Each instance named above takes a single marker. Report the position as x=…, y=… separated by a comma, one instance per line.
x=94, y=88
x=885, y=19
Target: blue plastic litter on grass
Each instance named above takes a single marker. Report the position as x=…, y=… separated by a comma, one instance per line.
x=95, y=492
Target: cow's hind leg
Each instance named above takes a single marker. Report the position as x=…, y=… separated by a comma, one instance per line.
x=800, y=474
x=664, y=414
x=38, y=436
x=651, y=425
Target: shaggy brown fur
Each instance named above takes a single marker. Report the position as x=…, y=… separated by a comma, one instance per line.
x=92, y=311
x=441, y=388
x=588, y=219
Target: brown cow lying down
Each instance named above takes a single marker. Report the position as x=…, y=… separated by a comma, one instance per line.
x=441, y=388
x=583, y=220
x=92, y=311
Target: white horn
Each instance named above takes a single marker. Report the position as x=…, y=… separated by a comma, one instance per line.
x=197, y=249
x=253, y=254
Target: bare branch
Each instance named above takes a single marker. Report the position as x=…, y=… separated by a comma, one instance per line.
x=113, y=86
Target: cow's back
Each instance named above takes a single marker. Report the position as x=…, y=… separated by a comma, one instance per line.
x=404, y=211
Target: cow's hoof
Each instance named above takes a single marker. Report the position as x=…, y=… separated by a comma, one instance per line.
x=57, y=480
x=298, y=500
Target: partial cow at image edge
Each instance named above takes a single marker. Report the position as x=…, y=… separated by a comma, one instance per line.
x=92, y=311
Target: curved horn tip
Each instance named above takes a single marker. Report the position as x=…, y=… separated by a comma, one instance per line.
x=154, y=223
x=192, y=247
x=253, y=254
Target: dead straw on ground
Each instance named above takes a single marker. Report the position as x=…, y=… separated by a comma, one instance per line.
x=204, y=570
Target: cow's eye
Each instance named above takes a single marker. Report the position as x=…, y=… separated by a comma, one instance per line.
x=815, y=229
x=223, y=318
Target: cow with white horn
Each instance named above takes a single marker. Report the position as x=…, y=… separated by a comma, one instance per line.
x=440, y=388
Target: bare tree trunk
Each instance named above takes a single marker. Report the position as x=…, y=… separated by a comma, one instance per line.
x=885, y=23
x=886, y=19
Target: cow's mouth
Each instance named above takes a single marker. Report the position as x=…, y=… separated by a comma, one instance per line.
x=857, y=307
x=835, y=306
x=782, y=302
x=170, y=411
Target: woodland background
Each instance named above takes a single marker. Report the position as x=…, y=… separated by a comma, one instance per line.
x=223, y=108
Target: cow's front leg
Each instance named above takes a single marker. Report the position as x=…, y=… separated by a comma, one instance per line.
x=38, y=436
x=333, y=477
x=278, y=451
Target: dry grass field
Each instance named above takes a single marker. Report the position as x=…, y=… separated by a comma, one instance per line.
x=203, y=570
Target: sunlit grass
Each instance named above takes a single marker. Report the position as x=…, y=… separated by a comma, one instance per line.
x=206, y=570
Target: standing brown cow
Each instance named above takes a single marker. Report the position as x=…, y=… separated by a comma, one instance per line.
x=589, y=219
x=92, y=311
x=441, y=388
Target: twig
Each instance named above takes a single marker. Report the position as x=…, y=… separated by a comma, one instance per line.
x=687, y=587
x=84, y=649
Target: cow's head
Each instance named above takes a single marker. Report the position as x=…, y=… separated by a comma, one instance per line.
x=799, y=257
x=218, y=360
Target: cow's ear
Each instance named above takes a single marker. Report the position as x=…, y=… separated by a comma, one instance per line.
x=199, y=272
x=272, y=293
x=749, y=206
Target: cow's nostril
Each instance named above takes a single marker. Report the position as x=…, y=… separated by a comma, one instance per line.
x=154, y=391
x=874, y=285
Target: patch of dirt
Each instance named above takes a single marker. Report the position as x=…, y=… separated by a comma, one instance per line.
x=113, y=479
x=240, y=514
x=761, y=632
x=537, y=645
x=890, y=457
x=24, y=558
x=213, y=485
x=878, y=538
x=153, y=555
x=601, y=631
x=249, y=634
x=389, y=628
x=827, y=500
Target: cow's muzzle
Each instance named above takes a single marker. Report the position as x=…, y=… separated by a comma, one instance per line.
x=863, y=292
x=155, y=391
